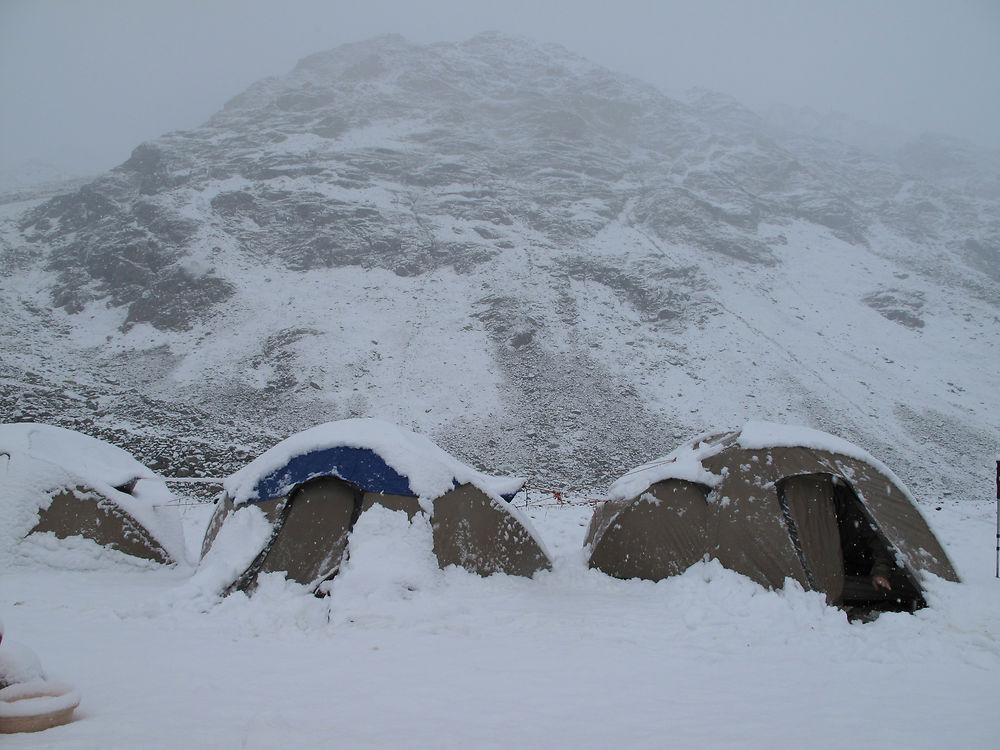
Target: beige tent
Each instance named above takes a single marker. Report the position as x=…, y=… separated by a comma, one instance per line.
x=71, y=485
x=764, y=501
x=312, y=487
x=84, y=511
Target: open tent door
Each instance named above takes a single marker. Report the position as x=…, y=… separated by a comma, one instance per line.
x=906, y=595
x=823, y=514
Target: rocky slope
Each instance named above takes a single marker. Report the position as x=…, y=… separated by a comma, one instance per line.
x=551, y=269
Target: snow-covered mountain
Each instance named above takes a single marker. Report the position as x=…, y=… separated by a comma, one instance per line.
x=550, y=269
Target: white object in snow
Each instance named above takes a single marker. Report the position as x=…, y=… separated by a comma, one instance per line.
x=36, y=705
x=18, y=664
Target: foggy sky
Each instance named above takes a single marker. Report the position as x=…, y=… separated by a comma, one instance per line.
x=83, y=82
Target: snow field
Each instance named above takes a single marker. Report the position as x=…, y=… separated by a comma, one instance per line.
x=405, y=654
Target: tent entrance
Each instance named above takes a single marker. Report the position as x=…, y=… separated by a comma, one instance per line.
x=841, y=547
x=309, y=538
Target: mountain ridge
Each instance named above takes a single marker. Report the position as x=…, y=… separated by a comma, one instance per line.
x=546, y=266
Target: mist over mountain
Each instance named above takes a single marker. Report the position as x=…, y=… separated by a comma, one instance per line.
x=551, y=269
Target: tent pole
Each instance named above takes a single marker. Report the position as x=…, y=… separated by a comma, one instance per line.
x=998, y=518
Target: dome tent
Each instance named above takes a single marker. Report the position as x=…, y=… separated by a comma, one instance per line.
x=69, y=484
x=307, y=492
x=763, y=501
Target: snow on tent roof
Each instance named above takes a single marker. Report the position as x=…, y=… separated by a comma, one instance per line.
x=93, y=460
x=39, y=458
x=763, y=435
x=686, y=462
x=377, y=456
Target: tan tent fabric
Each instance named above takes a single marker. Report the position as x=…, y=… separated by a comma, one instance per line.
x=80, y=511
x=312, y=525
x=223, y=507
x=894, y=515
x=410, y=505
x=661, y=533
x=812, y=517
x=746, y=528
x=749, y=534
x=471, y=530
x=309, y=533
x=305, y=556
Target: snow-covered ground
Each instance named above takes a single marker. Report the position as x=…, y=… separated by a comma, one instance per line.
x=548, y=357
x=403, y=654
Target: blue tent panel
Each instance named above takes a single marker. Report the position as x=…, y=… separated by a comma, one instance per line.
x=360, y=466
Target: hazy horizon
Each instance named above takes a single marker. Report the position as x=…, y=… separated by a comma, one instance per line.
x=85, y=82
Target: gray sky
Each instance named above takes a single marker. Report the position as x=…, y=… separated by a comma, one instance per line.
x=82, y=82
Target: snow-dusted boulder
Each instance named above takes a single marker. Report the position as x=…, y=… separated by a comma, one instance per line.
x=69, y=484
x=292, y=508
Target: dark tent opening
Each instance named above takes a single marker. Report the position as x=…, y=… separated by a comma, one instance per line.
x=841, y=548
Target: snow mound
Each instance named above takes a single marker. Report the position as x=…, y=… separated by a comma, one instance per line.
x=38, y=459
x=239, y=541
x=389, y=566
x=18, y=663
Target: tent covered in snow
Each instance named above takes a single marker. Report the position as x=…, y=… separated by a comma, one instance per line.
x=69, y=484
x=292, y=509
x=771, y=502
